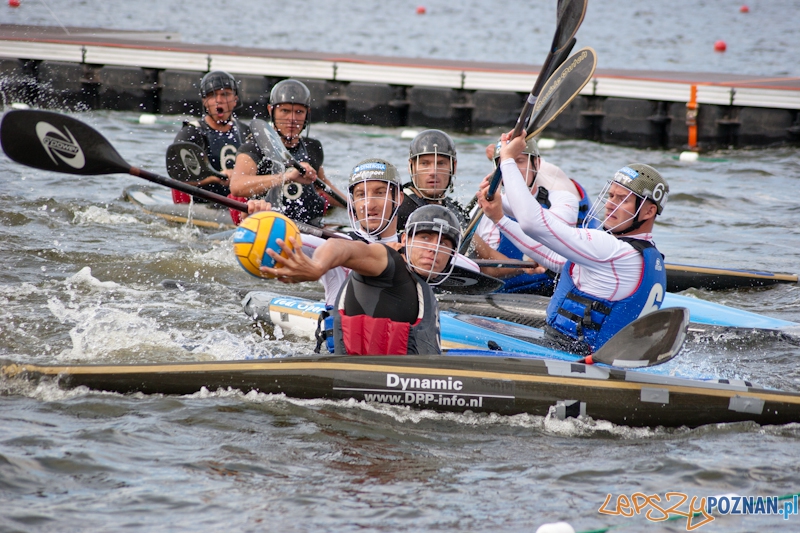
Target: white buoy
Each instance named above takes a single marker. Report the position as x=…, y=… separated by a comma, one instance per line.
x=688, y=157
x=408, y=134
x=556, y=527
x=20, y=105
x=147, y=118
x=546, y=144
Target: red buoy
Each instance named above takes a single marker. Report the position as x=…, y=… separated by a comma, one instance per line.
x=13, y=3
x=421, y=10
x=744, y=9
x=720, y=46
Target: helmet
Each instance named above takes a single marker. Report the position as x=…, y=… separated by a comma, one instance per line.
x=531, y=150
x=443, y=223
x=290, y=92
x=643, y=181
x=216, y=80
x=219, y=79
x=368, y=227
x=434, y=142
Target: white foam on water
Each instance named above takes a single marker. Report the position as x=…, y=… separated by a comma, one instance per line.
x=100, y=215
x=100, y=329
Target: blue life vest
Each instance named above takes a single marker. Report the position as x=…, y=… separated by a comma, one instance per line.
x=592, y=321
x=584, y=205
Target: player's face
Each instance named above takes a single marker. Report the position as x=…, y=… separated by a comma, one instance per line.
x=373, y=203
x=220, y=104
x=432, y=174
x=620, y=208
x=429, y=252
x=289, y=119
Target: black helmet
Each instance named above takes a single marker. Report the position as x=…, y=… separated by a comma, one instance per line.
x=290, y=92
x=217, y=80
x=440, y=220
x=434, y=142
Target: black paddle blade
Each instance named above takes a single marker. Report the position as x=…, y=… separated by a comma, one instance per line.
x=649, y=340
x=561, y=88
x=570, y=14
x=465, y=281
x=188, y=162
x=56, y=142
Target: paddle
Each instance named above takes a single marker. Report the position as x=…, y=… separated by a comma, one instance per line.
x=271, y=144
x=562, y=87
x=570, y=14
x=649, y=340
x=58, y=143
x=188, y=162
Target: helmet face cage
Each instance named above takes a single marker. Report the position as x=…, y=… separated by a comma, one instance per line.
x=599, y=213
x=431, y=166
x=642, y=181
x=437, y=145
x=431, y=246
x=290, y=92
x=361, y=199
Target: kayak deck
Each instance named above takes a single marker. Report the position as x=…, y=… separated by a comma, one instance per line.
x=467, y=382
x=158, y=201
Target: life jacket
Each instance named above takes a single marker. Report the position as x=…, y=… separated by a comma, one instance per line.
x=584, y=205
x=591, y=321
x=366, y=335
x=219, y=146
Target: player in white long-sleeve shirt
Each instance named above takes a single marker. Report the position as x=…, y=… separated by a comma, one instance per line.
x=552, y=188
x=611, y=275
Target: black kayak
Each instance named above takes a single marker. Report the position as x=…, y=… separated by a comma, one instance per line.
x=469, y=381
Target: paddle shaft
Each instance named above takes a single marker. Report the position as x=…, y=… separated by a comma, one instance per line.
x=222, y=200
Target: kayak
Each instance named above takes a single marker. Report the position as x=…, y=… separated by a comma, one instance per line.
x=158, y=201
x=522, y=309
x=466, y=381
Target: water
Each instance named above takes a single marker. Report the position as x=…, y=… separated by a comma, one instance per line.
x=81, y=283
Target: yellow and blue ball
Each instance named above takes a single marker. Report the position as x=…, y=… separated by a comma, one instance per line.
x=258, y=233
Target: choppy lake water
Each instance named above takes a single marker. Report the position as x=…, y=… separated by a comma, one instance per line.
x=80, y=282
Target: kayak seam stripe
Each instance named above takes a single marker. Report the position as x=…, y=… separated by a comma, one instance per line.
x=743, y=274
x=13, y=370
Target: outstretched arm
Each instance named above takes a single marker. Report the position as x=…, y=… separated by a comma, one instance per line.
x=366, y=259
